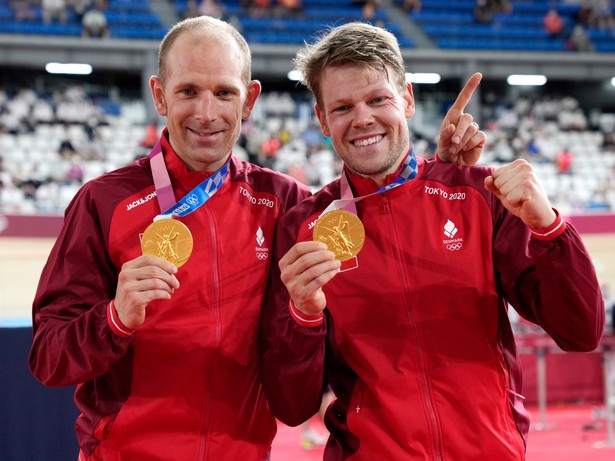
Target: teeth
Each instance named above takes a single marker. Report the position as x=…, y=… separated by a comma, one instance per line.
x=368, y=141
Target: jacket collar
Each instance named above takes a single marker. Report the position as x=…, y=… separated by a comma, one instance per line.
x=362, y=186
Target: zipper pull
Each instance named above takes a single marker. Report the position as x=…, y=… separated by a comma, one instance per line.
x=386, y=209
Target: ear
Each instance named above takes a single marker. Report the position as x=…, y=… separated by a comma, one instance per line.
x=324, y=126
x=155, y=85
x=254, y=90
x=408, y=96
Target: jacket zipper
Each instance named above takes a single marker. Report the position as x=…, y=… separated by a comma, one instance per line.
x=508, y=390
x=357, y=408
x=208, y=417
x=386, y=209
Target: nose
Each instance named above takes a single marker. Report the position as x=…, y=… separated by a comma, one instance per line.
x=205, y=110
x=362, y=116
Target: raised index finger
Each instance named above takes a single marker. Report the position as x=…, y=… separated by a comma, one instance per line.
x=465, y=95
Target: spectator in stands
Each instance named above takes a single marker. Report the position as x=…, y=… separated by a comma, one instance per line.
x=66, y=148
x=396, y=296
x=79, y=7
x=534, y=154
x=585, y=15
x=290, y=8
x=213, y=8
x=553, y=23
x=602, y=17
x=94, y=23
x=191, y=10
x=92, y=122
x=563, y=161
x=411, y=6
x=54, y=10
x=579, y=40
x=258, y=8
x=268, y=151
x=29, y=188
x=608, y=142
x=30, y=183
x=500, y=6
x=250, y=148
x=75, y=172
x=151, y=136
x=483, y=12
x=24, y=9
x=368, y=7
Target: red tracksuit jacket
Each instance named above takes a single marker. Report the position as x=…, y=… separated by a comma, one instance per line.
x=185, y=385
x=416, y=342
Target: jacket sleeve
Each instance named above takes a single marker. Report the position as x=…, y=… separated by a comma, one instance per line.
x=292, y=353
x=73, y=340
x=551, y=281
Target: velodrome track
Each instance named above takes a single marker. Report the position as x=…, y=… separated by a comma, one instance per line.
x=572, y=435
x=22, y=259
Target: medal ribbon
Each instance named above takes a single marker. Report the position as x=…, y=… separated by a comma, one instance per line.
x=193, y=199
x=408, y=172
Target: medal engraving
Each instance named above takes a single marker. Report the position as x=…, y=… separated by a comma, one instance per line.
x=342, y=232
x=168, y=239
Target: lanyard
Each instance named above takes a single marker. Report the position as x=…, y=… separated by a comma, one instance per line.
x=408, y=172
x=193, y=199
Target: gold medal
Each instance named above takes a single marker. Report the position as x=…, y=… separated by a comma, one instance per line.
x=168, y=239
x=342, y=232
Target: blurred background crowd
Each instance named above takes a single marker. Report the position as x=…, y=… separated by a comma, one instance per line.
x=58, y=132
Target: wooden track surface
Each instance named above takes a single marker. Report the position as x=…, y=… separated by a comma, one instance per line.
x=22, y=259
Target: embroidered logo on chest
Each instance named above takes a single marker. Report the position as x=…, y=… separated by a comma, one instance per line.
x=451, y=243
x=262, y=252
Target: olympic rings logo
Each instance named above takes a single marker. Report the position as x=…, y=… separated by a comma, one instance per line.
x=261, y=256
x=454, y=246
x=192, y=200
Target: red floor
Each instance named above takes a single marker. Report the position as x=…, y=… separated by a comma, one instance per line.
x=570, y=433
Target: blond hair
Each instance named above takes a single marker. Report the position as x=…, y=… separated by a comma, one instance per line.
x=355, y=43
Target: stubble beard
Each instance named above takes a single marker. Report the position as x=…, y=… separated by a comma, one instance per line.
x=389, y=164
